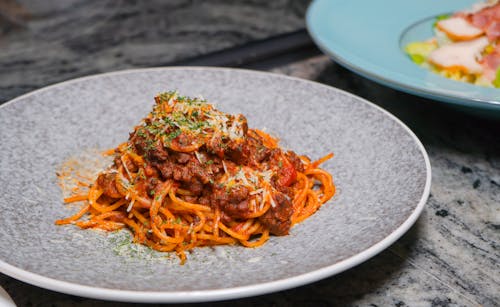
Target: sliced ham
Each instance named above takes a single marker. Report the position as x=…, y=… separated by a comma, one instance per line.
x=493, y=30
x=491, y=63
x=487, y=19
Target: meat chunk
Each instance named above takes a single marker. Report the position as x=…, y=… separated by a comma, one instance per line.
x=107, y=182
x=195, y=187
x=127, y=162
x=295, y=160
x=278, y=218
x=166, y=168
x=181, y=157
x=146, y=144
x=233, y=202
x=239, y=210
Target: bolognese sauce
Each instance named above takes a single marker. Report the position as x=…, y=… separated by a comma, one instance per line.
x=190, y=175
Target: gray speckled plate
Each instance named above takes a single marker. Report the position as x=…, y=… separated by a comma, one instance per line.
x=380, y=168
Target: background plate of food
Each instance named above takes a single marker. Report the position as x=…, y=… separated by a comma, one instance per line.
x=375, y=40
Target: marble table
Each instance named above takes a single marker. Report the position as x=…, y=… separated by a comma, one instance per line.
x=450, y=257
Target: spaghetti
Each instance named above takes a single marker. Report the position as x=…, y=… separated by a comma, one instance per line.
x=191, y=175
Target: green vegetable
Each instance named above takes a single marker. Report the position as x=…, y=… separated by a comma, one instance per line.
x=419, y=51
x=496, y=82
x=440, y=17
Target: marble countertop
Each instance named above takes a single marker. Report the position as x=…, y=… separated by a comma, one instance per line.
x=450, y=257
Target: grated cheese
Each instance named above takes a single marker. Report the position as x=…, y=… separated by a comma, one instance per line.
x=131, y=205
x=198, y=156
x=225, y=167
x=273, y=204
x=258, y=191
x=125, y=167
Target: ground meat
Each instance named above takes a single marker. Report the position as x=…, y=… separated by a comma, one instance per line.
x=214, y=166
x=130, y=165
x=166, y=168
x=157, y=152
x=233, y=202
x=191, y=175
x=196, y=187
x=106, y=181
x=260, y=154
x=295, y=160
x=248, y=153
x=204, y=199
x=200, y=172
x=216, y=146
x=278, y=218
x=145, y=144
x=239, y=210
x=181, y=157
x=274, y=157
x=182, y=173
x=283, y=189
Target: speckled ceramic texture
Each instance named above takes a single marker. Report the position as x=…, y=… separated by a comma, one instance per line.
x=380, y=169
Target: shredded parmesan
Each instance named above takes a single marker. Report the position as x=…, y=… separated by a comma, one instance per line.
x=266, y=176
x=225, y=167
x=198, y=156
x=131, y=205
x=125, y=167
x=273, y=204
x=257, y=191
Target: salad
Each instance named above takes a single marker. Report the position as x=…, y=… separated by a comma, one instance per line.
x=466, y=46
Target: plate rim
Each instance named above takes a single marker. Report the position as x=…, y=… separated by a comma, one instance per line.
x=460, y=100
x=234, y=292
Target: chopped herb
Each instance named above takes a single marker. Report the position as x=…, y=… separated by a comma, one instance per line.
x=150, y=144
x=209, y=162
x=174, y=134
x=140, y=132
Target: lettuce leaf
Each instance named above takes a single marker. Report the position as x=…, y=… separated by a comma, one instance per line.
x=496, y=82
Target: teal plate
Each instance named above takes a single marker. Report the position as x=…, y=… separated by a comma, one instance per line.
x=368, y=38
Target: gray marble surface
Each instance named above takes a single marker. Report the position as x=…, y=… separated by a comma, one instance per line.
x=449, y=258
